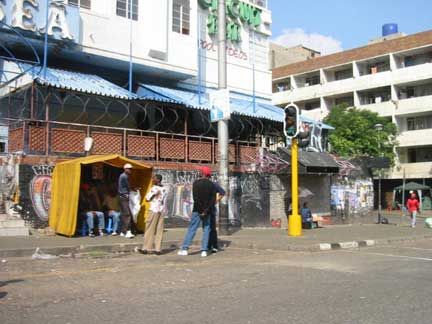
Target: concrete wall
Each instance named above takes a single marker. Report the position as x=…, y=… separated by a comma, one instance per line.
x=249, y=200
x=280, y=194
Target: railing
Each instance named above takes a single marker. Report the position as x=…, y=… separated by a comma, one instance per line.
x=67, y=140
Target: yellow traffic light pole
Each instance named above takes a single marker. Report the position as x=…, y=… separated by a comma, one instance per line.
x=294, y=223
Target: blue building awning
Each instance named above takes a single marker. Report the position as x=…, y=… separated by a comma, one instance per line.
x=240, y=104
x=80, y=82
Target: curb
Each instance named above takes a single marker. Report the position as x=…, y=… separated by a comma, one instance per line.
x=320, y=247
x=64, y=250
x=225, y=242
x=369, y=243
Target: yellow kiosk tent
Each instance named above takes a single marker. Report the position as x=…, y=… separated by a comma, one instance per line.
x=65, y=189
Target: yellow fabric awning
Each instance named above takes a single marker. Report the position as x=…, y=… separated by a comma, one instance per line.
x=65, y=192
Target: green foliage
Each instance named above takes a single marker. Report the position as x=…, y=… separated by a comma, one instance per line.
x=355, y=134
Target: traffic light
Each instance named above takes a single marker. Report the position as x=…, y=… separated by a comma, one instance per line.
x=291, y=121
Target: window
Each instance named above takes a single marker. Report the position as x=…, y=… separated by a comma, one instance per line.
x=312, y=105
x=421, y=122
x=420, y=154
x=343, y=74
x=81, y=3
x=181, y=17
x=312, y=80
x=124, y=9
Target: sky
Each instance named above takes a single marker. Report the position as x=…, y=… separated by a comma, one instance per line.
x=331, y=26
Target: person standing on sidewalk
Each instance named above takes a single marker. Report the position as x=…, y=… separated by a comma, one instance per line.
x=155, y=220
x=204, y=196
x=213, y=239
x=413, y=207
x=123, y=191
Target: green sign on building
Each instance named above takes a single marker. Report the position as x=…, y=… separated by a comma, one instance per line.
x=238, y=13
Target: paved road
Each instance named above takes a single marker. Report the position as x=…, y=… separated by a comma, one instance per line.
x=371, y=285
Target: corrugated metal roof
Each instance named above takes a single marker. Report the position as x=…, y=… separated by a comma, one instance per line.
x=240, y=104
x=86, y=83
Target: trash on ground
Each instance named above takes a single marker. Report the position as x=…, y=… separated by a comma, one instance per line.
x=42, y=256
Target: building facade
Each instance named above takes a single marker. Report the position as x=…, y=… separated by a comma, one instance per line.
x=392, y=77
x=281, y=55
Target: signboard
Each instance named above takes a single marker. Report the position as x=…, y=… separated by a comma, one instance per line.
x=30, y=15
x=238, y=13
x=220, y=105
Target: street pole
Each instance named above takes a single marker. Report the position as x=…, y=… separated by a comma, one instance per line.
x=379, y=128
x=379, y=197
x=294, y=223
x=223, y=124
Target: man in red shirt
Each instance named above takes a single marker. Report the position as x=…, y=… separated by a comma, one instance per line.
x=413, y=207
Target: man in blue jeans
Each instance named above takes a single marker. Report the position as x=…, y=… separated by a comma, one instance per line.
x=204, y=196
x=90, y=205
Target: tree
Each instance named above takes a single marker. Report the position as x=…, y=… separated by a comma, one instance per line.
x=355, y=134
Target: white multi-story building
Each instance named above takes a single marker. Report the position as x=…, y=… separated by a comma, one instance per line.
x=168, y=41
x=392, y=77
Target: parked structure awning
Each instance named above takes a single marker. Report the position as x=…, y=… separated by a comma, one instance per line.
x=312, y=162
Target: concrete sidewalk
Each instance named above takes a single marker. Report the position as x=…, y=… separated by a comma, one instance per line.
x=324, y=238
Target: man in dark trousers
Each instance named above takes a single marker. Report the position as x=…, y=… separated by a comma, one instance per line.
x=204, y=196
x=213, y=239
x=123, y=191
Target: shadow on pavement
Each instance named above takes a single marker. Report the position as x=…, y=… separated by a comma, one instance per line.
x=3, y=294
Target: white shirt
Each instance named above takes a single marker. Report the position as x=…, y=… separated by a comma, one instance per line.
x=157, y=197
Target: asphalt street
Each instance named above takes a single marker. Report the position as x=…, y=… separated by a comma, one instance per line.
x=369, y=285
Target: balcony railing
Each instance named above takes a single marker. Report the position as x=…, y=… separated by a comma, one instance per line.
x=67, y=140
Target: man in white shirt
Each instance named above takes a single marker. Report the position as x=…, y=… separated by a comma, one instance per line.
x=155, y=220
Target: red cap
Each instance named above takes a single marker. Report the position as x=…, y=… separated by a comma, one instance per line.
x=205, y=171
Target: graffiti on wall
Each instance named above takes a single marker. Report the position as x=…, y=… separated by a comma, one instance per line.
x=180, y=199
x=248, y=199
x=248, y=196
x=352, y=199
x=40, y=190
x=8, y=182
x=35, y=193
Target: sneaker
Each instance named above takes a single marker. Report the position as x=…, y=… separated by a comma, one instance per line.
x=182, y=252
x=114, y=234
x=91, y=235
x=214, y=250
x=101, y=233
x=203, y=253
x=122, y=234
x=129, y=235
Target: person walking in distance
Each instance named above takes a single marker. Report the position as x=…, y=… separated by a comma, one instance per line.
x=413, y=207
x=204, y=197
x=155, y=220
x=123, y=191
x=213, y=239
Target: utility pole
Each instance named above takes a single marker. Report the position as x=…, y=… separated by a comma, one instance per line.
x=295, y=222
x=223, y=124
x=292, y=132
